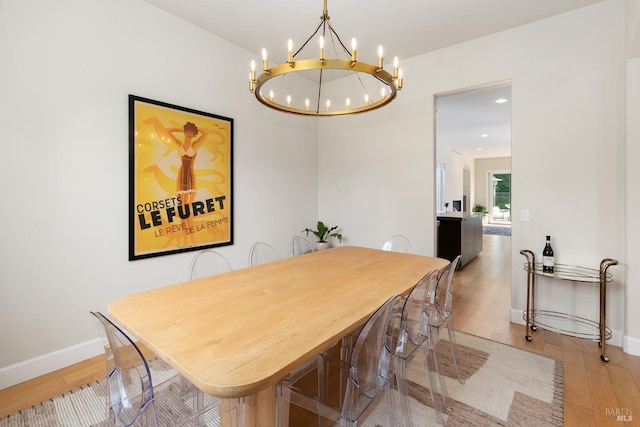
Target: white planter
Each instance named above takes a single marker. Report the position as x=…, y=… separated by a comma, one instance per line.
x=322, y=245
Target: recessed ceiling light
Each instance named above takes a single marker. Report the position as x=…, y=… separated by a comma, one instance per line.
x=484, y=135
x=501, y=100
x=479, y=148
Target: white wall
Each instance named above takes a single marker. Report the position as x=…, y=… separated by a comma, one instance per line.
x=568, y=78
x=67, y=69
x=454, y=163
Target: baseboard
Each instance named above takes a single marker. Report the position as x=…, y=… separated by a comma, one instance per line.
x=631, y=345
x=515, y=316
x=32, y=368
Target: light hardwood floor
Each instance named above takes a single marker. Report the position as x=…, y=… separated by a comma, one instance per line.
x=592, y=389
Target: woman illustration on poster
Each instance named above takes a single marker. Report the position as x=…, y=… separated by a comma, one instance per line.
x=186, y=179
x=193, y=138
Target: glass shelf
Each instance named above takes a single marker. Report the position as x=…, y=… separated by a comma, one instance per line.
x=569, y=272
x=567, y=324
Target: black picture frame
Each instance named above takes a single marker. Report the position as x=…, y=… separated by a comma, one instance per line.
x=180, y=179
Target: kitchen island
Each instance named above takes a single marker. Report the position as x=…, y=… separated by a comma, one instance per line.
x=459, y=234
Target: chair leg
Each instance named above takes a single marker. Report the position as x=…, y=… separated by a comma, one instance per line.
x=149, y=415
x=391, y=411
x=433, y=384
x=452, y=342
x=401, y=379
x=282, y=406
x=434, y=338
x=345, y=350
x=199, y=405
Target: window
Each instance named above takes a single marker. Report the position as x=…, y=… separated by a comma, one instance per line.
x=500, y=211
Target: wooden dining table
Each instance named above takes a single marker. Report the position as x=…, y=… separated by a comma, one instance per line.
x=237, y=334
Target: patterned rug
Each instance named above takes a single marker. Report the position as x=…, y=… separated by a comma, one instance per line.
x=501, y=231
x=504, y=386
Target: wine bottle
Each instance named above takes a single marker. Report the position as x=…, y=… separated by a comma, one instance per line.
x=547, y=257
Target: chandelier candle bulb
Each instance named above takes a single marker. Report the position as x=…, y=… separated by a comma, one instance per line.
x=321, y=48
x=354, y=54
x=395, y=67
x=306, y=104
x=290, y=52
x=399, y=79
x=271, y=95
x=252, y=77
x=265, y=63
x=288, y=100
x=348, y=103
x=328, y=104
x=380, y=58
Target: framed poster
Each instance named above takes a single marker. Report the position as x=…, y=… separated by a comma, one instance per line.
x=180, y=179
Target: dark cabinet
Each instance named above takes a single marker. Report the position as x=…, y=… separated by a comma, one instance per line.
x=459, y=234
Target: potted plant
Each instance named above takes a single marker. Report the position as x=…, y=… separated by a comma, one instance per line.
x=323, y=233
x=482, y=210
x=478, y=208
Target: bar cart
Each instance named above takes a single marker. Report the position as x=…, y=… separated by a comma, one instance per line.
x=565, y=323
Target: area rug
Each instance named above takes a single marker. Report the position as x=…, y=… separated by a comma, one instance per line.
x=501, y=231
x=504, y=386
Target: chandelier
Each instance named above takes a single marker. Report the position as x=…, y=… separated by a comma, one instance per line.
x=280, y=87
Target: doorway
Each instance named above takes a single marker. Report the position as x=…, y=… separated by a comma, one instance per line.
x=473, y=142
x=473, y=155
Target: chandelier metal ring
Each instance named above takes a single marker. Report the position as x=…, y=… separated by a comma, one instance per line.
x=330, y=64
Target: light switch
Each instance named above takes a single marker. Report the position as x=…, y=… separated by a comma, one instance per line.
x=524, y=215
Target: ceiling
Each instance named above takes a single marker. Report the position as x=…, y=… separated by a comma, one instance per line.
x=405, y=28
x=473, y=124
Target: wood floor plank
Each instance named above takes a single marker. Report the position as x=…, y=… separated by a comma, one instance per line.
x=604, y=398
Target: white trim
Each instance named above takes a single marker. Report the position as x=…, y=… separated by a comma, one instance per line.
x=631, y=345
x=32, y=368
x=617, y=339
x=515, y=316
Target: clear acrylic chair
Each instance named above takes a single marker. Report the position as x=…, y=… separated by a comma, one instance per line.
x=300, y=246
x=208, y=263
x=205, y=263
x=131, y=388
x=261, y=253
x=397, y=243
x=368, y=378
x=441, y=314
x=128, y=378
x=413, y=337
